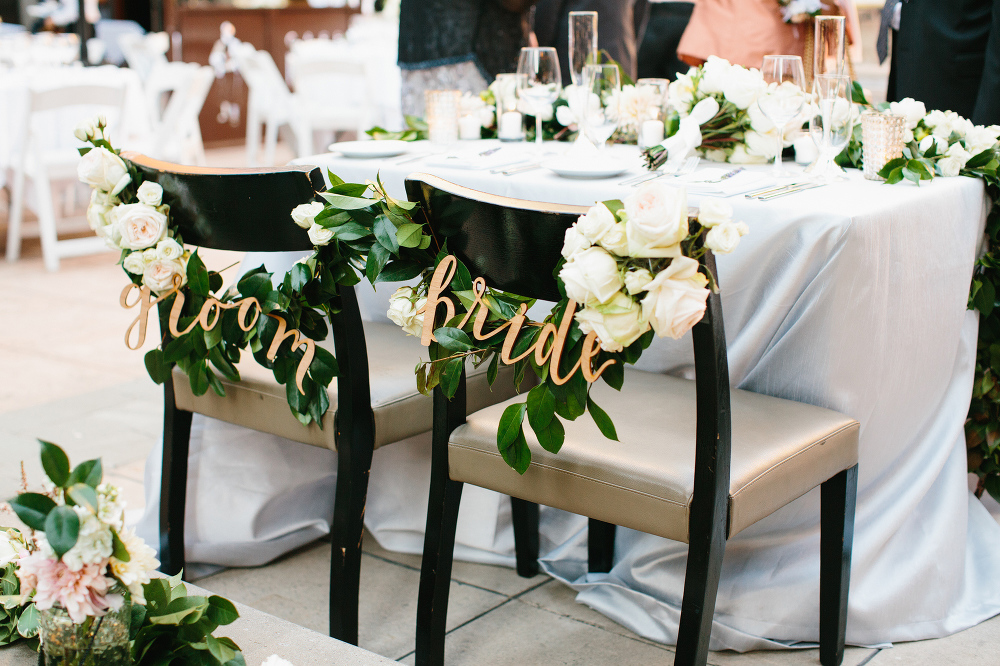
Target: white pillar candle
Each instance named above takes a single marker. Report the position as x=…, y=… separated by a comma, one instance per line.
x=805, y=149
x=511, y=127
x=468, y=128
x=651, y=133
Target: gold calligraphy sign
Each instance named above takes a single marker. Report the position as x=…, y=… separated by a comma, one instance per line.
x=208, y=317
x=542, y=350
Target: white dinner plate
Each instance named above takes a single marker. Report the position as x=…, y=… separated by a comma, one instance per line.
x=569, y=167
x=370, y=149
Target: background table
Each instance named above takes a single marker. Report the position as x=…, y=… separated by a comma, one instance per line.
x=851, y=296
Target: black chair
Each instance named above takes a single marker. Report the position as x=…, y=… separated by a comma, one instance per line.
x=374, y=401
x=696, y=461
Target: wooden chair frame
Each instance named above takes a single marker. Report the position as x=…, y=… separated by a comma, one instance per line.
x=475, y=245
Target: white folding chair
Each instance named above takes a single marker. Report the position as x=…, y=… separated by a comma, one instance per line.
x=43, y=166
x=332, y=92
x=177, y=134
x=269, y=100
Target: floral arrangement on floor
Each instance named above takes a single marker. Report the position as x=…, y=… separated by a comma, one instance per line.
x=84, y=581
x=132, y=216
x=800, y=11
x=942, y=143
x=739, y=132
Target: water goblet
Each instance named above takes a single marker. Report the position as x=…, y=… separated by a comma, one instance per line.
x=600, y=113
x=539, y=83
x=783, y=99
x=831, y=124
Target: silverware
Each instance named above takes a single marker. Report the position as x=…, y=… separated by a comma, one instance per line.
x=636, y=180
x=689, y=166
x=490, y=151
x=520, y=169
x=771, y=189
x=726, y=176
x=795, y=190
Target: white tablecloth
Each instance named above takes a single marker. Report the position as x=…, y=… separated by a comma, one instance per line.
x=851, y=296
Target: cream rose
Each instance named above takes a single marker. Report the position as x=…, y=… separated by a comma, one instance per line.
x=758, y=121
x=715, y=75
x=741, y=156
x=910, y=109
x=617, y=324
x=85, y=129
x=712, y=212
x=574, y=241
x=591, y=276
x=680, y=93
x=954, y=160
x=304, y=215
x=761, y=145
x=102, y=169
x=676, y=298
x=615, y=240
x=596, y=222
x=150, y=193
x=403, y=306
x=159, y=275
x=97, y=210
x=636, y=280
x=724, y=238
x=320, y=235
x=140, y=226
x=168, y=248
x=980, y=138
x=742, y=86
x=135, y=263
x=656, y=220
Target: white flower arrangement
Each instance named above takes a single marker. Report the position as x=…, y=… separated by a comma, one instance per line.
x=800, y=11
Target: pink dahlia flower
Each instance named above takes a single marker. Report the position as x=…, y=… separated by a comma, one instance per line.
x=82, y=593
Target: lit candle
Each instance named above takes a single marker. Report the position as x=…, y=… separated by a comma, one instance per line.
x=468, y=128
x=805, y=149
x=511, y=126
x=651, y=133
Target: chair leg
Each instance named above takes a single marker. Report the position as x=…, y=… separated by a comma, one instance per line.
x=525, y=517
x=173, y=483
x=701, y=586
x=839, y=499
x=46, y=220
x=270, y=141
x=354, y=462
x=16, y=215
x=600, y=546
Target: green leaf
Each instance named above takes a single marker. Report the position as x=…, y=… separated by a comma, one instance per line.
x=453, y=339
x=541, y=407
x=90, y=472
x=342, y=202
x=222, y=363
x=157, y=366
x=323, y=367
x=351, y=231
x=178, y=348
x=62, y=527
x=980, y=159
x=614, y=205
x=385, y=233
x=858, y=94
x=510, y=424
x=182, y=610
x=493, y=369
x=55, y=463
x=118, y=549
x=895, y=176
x=450, y=376
x=409, y=235
x=197, y=275
x=377, y=259
x=32, y=509
x=198, y=378
x=348, y=189
x=300, y=275
x=552, y=436
x=602, y=419
x=27, y=624
x=516, y=453
x=221, y=611
x=255, y=284
x=214, y=383
x=985, y=298
x=82, y=495
x=400, y=271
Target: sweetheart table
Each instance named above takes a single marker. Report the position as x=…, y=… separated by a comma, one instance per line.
x=851, y=296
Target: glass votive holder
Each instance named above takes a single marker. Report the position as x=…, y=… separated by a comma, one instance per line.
x=441, y=108
x=881, y=140
x=660, y=86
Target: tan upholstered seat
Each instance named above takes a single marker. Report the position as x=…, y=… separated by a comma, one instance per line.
x=257, y=401
x=780, y=450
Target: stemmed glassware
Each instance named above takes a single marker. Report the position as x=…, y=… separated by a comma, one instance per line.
x=784, y=98
x=829, y=46
x=582, y=51
x=603, y=86
x=539, y=82
x=830, y=124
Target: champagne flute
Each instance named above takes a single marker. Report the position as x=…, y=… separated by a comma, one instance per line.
x=829, y=46
x=539, y=82
x=603, y=89
x=783, y=98
x=831, y=124
x=582, y=51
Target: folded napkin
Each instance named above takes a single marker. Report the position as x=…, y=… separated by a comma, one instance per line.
x=478, y=158
x=707, y=181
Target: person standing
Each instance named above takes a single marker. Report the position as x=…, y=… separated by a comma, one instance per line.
x=658, y=50
x=620, y=27
x=946, y=54
x=741, y=31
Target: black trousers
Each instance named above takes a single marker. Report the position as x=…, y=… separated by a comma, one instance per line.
x=658, y=51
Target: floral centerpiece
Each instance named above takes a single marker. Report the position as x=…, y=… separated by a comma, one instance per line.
x=84, y=580
x=739, y=132
x=800, y=11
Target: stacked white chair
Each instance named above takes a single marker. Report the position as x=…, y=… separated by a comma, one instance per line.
x=177, y=130
x=269, y=105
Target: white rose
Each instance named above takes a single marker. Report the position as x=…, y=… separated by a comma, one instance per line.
x=934, y=118
x=676, y=298
x=487, y=116
x=723, y=239
x=97, y=210
x=657, y=220
x=150, y=254
x=320, y=235
x=636, y=280
x=761, y=145
x=135, y=263
x=714, y=211
x=931, y=140
x=741, y=156
x=715, y=155
x=759, y=122
x=911, y=109
x=304, y=215
x=140, y=226
x=980, y=138
x=150, y=193
x=715, y=75
x=168, y=248
x=8, y=551
x=950, y=166
x=85, y=129
x=615, y=240
x=617, y=324
x=742, y=86
x=159, y=275
x=591, y=276
x=102, y=169
x=680, y=94
x=109, y=232
x=564, y=116
x=574, y=241
x=959, y=154
x=597, y=222
x=403, y=311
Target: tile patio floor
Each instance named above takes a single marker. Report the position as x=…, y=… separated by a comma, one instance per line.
x=66, y=377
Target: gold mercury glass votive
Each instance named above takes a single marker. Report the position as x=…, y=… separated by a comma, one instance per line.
x=441, y=108
x=881, y=140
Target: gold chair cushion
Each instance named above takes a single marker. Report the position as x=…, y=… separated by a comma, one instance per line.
x=257, y=401
x=780, y=450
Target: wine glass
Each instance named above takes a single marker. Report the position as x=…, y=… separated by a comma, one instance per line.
x=783, y=98
x=540, y=82
x=831, y=124
x=603, y=87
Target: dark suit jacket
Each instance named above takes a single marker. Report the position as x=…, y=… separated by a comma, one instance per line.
x=946, y=54
x=620, y=25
